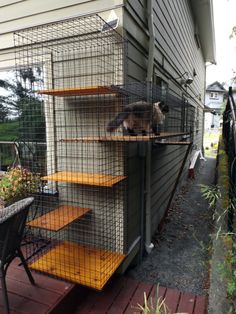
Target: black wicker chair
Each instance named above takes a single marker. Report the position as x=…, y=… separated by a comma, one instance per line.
x=12, y=224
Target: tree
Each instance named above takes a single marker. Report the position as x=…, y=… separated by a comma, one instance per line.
x=22, y=103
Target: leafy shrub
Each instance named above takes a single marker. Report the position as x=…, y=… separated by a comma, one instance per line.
x=16, y=184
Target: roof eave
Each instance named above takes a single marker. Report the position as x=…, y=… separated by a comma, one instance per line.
x=203, y=14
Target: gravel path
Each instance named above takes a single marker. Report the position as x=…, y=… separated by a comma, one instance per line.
x=181, y=254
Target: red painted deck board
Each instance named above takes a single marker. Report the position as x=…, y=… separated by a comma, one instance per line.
x=172, y=299
x=200, y=305
x=138, y=297
x=123, y=295
x=26, y=298
x=187, y=303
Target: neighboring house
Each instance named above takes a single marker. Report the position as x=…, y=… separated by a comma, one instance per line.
x=169, y=43
x=214, y=99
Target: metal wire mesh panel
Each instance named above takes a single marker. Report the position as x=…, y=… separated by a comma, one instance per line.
x=76, y=230
x=77, y=117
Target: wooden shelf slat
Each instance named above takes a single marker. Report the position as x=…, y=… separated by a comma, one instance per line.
x=83, y=91
x=95, y=179
x=125, y=138
x=173, y=143
x=58, y=218
x=83, y=265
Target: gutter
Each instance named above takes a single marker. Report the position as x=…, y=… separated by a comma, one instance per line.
x=148, y=244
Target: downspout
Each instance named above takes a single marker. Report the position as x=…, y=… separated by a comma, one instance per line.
x=148, y=244
x=151, y=45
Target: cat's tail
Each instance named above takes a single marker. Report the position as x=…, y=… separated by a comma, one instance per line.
x=114, y=124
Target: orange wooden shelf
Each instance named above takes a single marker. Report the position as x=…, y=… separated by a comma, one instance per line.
x=125, y=138
x=95, y=179
x=173, y=143
x=92, y=90
x=83, y=265
x=58, y=218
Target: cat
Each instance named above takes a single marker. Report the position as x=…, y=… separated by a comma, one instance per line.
x=140, y=117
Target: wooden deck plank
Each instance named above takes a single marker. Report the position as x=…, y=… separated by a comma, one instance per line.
x=157, y=289
x=123, y=292
x=88, y=304
x=138, y=297
x=58, y=218
x=32, y=292
x=95, y=179
x=186, y=303
x=200, y=305
x=25, y=298
x=20, y=304
x=79, y=264
x=172, y=298
x=45, y=282
x=122, y=301
x=99, y=302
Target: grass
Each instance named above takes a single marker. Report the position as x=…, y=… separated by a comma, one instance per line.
x=9, y=131
x=210, y=142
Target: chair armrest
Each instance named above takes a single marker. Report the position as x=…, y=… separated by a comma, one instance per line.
x=15, y=208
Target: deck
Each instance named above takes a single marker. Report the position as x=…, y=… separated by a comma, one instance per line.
x=121, y=295
x=47, y=296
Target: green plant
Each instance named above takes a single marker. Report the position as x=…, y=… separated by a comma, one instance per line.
x=153, y=307
x=17, y=183
x=211, y=194
x=157, y=306
x=226, y=267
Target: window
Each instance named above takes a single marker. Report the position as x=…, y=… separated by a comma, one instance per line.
x=163, y=86
x=214, y=95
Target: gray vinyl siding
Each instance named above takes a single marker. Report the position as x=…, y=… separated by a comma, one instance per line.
x=135, y=195
x=176, y=52
x=20, y=14
x=165, y=166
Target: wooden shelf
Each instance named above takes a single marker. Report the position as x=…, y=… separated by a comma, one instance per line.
x=95, y=179
x=58, y=218
x=125, y=138
x=83, y=265
x=92, y=90
x=172, y=143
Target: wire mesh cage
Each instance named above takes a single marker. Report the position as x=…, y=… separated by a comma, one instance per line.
x=67, y=70
x=78, y=114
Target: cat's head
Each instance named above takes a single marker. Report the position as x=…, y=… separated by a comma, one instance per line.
x=162, y=106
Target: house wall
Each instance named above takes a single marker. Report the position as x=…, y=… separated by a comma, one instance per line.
x=214, y=102
x=19, y=14
x=176, y=52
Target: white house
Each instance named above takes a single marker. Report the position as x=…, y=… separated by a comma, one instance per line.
x=214, y=100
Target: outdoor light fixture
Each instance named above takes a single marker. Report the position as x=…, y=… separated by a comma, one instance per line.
x=185, y=79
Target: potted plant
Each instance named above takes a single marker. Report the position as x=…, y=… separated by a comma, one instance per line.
x=16, y=184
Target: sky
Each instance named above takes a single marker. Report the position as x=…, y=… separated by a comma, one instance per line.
x=224, y=20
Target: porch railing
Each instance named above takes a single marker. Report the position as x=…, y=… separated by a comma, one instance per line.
x=14, y=153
